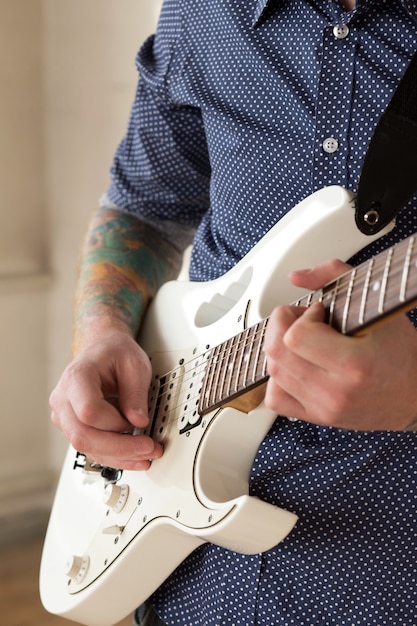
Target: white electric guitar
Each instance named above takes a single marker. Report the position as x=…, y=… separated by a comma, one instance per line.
x=114, y=536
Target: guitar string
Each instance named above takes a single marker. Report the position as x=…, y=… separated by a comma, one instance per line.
x=360, y=277
x=200, y=360
x=200, y=363
x=336, y=289
x=338, y=286
x=183, y=381
x=191, y=374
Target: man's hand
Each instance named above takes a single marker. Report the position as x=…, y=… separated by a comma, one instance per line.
x=366, y=382
x=102, y=397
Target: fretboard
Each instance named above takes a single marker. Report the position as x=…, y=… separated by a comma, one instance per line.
x=383, y=286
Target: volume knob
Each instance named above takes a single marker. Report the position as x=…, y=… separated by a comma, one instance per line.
x=115, y=496
x=76, y=567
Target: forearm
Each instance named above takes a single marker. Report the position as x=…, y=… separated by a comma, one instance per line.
x=123, y=264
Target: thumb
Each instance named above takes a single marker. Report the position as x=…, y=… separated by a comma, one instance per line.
x=320, y=275
x=134, y=384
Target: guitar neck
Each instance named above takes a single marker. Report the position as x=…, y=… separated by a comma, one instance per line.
x=362, y=297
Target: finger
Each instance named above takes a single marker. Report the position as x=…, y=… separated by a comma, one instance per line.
x=280, y=320
x=313, y=340
x=318, y=276
x=94, y=408
x=98, y=395
x=294, y=372
x=110, y=449
x=279, y=400
x=121, y=451
x=134, y=378
x=289, y=373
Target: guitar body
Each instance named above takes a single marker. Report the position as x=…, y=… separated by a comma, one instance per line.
x=122, y=550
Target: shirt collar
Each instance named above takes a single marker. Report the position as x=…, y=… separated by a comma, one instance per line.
x=260, y=8
x=411, y=7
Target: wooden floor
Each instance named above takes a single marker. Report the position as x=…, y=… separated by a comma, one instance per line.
x=19, y=597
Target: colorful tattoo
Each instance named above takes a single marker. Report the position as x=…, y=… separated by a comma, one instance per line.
x=125, y=261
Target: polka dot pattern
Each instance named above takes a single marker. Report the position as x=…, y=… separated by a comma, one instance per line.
x=243, y=109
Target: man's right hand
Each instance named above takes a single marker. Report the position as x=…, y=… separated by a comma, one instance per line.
x=101, y=398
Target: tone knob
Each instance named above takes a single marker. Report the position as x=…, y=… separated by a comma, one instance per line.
x=115, y=496
x=76, y=567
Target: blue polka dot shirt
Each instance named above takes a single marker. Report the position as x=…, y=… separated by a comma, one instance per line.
x=243, y=108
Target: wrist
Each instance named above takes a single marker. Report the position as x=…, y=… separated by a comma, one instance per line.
x=91, y=329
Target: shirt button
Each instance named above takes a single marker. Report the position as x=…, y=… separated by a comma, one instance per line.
x=330, y=145
x=341, y=31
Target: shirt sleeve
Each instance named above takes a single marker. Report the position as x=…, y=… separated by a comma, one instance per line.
x=161, y=168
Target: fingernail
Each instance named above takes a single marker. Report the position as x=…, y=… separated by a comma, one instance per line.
x=147, y=447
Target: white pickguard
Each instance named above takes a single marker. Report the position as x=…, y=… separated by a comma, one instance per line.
x=198, y=490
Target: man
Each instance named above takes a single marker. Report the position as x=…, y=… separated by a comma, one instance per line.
x=243, y=109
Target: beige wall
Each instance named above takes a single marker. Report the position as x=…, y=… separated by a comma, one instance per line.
x=24, y=280
x=67, y=78
x=90, y=83
x=22, y=241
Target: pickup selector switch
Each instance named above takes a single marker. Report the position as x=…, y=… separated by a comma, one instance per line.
x=115, y=496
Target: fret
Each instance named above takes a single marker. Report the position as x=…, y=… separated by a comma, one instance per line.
x=209, y=387
x=223, y=368
x=218, y=380
x=231, y=365
x=384, y=283
x=246, y=360
x=216, y=373
x=260, y=364
x=309, y=299
x=346, y=307
x=254, y=353
x=332, y=296
x=406, y=269
x=247, y=356
x=365, y=291
x=239, y=377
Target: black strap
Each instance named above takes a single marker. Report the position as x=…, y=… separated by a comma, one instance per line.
x=389, y=173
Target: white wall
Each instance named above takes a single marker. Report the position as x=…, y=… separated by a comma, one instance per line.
x=67, y=79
